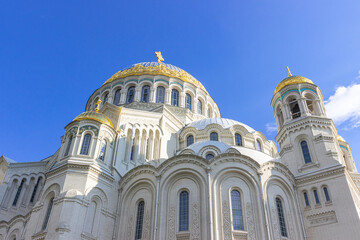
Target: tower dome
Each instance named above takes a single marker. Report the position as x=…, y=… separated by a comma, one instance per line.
x=96, y=116
x=291, y=80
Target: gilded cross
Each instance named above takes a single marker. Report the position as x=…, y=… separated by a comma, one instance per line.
x=159, y=57
x=97, y=105
x=289, y=73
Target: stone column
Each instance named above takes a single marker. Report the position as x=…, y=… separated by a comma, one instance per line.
x=287, y=112
x=137, y=97
x=168, y=96
x=152, y=97
x=123, y=96
x=303, y=108
x=195, y=106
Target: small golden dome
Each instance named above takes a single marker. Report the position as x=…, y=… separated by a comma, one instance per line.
x=291, y=80
x=340, y=138
x=96, y=116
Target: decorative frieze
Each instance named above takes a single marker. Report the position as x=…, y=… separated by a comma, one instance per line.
x=322, y=218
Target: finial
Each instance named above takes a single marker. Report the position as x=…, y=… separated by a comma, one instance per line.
x=159, y=57
x=289, y=73
x=97, y=105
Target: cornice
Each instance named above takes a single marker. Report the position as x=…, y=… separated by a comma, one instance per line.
x=320, y=174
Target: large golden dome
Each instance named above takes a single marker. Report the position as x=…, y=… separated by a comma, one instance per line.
x=96, y=116
x=291, y=80
x=156, y=68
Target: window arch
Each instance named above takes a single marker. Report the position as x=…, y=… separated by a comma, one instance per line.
x=316, y=196
x=281, y=217
x=326, y=194
x=258, y=145
x=68, y=146
x=145, y=93
x=175, y=97
x=139, y=220
x=199, y=107
x=18, y=192
x=306, y=199
x=86, y=144
x=160, y=94
x=102, y=149
x=130, y=95
x=238, y=139
x=188, y=101
x=184, y=211
x=189, y=140
x=237, y=213
x=35, y=190
x=305, y=151
x=47, y=215
x=214, y=136
x=117, y=97
x=294, y=108
x=209, y=156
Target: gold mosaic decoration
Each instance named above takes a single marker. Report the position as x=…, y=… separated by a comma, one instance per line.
x=160, y=69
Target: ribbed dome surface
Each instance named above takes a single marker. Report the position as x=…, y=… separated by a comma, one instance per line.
x=94, y=116
x=291, y=80
x=223, y=122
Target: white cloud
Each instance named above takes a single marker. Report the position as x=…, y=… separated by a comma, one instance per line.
x=271, y=127
x=344, y=106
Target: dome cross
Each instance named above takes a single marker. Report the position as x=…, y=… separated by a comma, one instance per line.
x=159, y=57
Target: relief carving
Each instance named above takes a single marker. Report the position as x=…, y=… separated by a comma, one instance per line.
x=130, y=228
x=275, y=224
x=322, y=218
x=171, y=224
x=195, y=235
x=226, y=221
x=250, y=222
x=146, y=231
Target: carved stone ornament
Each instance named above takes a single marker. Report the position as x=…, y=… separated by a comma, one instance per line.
x=226, y=221
x=195, y=235
x=250, y=222
x=171, y=224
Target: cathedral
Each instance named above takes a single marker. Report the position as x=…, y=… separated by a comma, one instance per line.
x=152, y=159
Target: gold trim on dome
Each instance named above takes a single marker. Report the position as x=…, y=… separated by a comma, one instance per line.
x=160, y=69
x=291, y=80
x=96, y=116
x=340, y=138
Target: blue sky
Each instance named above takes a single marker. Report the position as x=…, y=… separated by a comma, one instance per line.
x=55, y=54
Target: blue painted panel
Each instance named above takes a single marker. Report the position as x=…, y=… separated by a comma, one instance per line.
x=344, y=148
x=293, y=90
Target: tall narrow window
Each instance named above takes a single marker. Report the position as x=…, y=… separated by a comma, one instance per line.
x=316, y=196
x=132, y=150
x=326, y=193
x=258, y=145
x=188, y=101
x=117, y=97
x=310, y=106
x=48, y=212
x=294, y=109
x=34, y=191
x=209, y=112
x=106, y=98
x=305, y=151
x=184, y=211
x=237, y=215
x=175, y=97
x=130, y=95
x=281, y=216
x=139, y=220
x=238, y=139
x=18, y=192
x=189, y=140
x=102, y=150
x=160, y=94
x=306, y=199
x=86, y=144
x=68, y=145
x=200, y=107
x=145, y=93
x=214, y=136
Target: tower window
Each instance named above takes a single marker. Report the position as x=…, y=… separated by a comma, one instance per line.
x=184, y=211
x=238, y=139
x=102, y=150
x=188, y=101
x=189, y=140
x=130, y=95
x=281, y=217
x=145, y=93
x=316, y=196
x=160, y=94
x=175, y=97
x=294, y=109
x=68, y=145
x=305, y=151
x=47, y=216
x=85, y=145
x=214, y=136
x=117, y=97
x=35, y=189
x=237, y=215
x=258, y=145
x=139, y=220
x=306, y=199
x=199, y=107
x=18, y=192
x=326, y=193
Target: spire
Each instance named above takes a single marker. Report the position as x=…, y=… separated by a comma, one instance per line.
x=97, y=105
x=289, y=73
x=159, y=57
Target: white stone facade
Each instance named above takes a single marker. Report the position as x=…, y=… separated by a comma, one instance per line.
x=128, y=180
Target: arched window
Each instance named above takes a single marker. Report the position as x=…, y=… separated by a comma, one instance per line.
x=132, y=149
x=188, y=101
x=238, y=139
x=145, y=93
x=305, y=151
x=209, y=156
x=294, y=109
x=200, y=107
x=237, y=215
x=160, y=94
x=209, y=112
x=90, y=217
x=175, y=97
x=306, y=199
x=102, y=150
x=86, y=144
x=184, y=211
x=130, y=95
x=34, y=191
x=281, y=216
x=18, y=192
x=139, y=220
x=106, y=98
x=326, y=193
x=214, y=136
x=47, y=215
x=117, y=97
x=316, y=196
x=68, y=145
x=310, y=105
x=189, y=140
x=258, y=145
